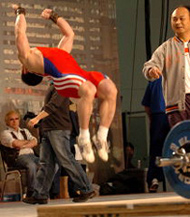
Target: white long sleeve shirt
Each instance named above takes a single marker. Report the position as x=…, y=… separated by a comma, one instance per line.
x=7, y=139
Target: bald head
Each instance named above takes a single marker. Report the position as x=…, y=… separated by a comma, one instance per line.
x=180, y=22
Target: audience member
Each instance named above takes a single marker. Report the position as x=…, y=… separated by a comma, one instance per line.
x=128, y=181
x=129, y=149
x=22, y=142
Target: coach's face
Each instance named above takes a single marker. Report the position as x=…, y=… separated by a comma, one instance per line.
x=180, y=22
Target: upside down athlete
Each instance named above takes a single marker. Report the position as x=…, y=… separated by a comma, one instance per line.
x=69, y=80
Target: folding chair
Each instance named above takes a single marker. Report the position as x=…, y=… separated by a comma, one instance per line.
x=11, y=174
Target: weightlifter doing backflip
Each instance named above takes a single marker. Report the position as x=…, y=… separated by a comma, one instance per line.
x=69, y=80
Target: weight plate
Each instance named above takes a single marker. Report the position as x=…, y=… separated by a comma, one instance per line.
x=179, y=136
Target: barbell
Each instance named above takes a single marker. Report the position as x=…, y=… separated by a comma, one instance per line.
x=175, y=158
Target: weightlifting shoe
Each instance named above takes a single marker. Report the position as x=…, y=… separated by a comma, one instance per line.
x=85, y=147
x=102, y=148
x=83, y=197
x=33, y=200
x=154, y=186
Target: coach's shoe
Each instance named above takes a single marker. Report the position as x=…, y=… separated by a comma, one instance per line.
x=85, y=147
x=102, y=148
x=83, y=197
x=33, y=200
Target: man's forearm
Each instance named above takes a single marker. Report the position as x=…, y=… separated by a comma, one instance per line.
x=66, y=42
x=20, y=25
x=41, y=115
x=20, y=35
x=31, y=143
x=65, y=27
x=20, y=144
x=35, y=120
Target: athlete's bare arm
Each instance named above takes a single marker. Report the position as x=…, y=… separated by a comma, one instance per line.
x=21, y=39
x=31, y=58
x=66, y=42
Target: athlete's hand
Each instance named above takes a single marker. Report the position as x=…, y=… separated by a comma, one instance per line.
x=46, y=13
x=154, y=72
x=15, y=6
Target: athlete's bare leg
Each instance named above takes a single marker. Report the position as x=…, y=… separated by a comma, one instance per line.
x=107, y=93
x=87, y=93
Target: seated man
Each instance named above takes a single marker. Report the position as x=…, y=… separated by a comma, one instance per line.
x=20, y=140
x=69, y=80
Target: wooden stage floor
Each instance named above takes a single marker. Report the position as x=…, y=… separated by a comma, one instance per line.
x=158, y=204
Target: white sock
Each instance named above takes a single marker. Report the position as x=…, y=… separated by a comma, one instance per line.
x=102, y=133
x=84, y=134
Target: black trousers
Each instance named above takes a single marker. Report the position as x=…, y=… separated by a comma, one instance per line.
x=159, y=129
